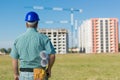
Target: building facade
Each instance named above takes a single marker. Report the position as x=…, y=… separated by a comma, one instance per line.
x=85, y=37
x=59, y=38
x=102, y=34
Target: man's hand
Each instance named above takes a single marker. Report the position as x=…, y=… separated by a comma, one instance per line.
x=48, y=73
x=16, y=77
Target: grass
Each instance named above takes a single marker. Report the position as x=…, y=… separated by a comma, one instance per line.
x=6, y=72
x=75, y=67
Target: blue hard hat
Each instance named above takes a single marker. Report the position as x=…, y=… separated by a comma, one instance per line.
x=31, y=17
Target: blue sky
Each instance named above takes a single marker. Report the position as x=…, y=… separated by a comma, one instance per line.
x=12, y=13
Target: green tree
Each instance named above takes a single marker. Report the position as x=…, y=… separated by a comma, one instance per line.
x=8, y=50
x=3, y=50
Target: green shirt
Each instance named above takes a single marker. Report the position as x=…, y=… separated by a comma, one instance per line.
x=28, y=46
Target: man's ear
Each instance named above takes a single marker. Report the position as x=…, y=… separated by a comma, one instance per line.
x=36, y=24
x=26, y=24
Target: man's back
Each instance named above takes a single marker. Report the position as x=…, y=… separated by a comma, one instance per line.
x=28, y=47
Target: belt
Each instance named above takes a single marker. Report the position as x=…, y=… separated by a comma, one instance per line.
x=26, y=69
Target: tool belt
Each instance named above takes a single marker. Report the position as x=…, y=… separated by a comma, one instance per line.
x=39, y=73
x=26, y=69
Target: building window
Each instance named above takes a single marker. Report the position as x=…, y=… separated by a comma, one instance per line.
x=106, y=32
x=54, y=32
x=101, y=25
x=54, y=35
x=101, y=50
x=101, y=39
x=101, y=32
x=96, y=26
x=106, y=47
x=107, y=35
x=101, y=44
x=101, y=21
x=101, y=35
x=97, y=51
x=107, y=39
x=44, y=33
x=49, y=33
x=106, y=29
x=54, y=41
x=107, y=50
x=59, y=39
x=106, y=21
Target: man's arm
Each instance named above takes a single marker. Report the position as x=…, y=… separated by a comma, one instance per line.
x=50, y=63
x=15, y=69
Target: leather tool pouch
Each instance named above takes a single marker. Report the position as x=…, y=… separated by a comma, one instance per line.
x=39, y=74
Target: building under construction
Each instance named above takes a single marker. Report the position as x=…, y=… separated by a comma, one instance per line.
x=59, y=38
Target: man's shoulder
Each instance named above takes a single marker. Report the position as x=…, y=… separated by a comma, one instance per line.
x=20, y=36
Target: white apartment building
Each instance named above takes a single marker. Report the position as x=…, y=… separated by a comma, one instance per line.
x=84, y=37
x=99, y=35
x=59, y=38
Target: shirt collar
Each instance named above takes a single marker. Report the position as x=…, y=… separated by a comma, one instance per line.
x=31, y=29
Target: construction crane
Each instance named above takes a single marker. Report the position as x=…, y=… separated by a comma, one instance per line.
x=71, y=10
